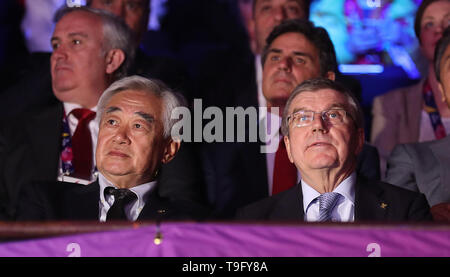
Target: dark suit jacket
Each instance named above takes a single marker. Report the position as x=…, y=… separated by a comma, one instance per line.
x=69, y=201
x=400, y=204
x=29, y=152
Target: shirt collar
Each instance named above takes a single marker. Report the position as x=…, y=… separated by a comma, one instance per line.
x=69, y=107
x=142, y=191
x=345, y=188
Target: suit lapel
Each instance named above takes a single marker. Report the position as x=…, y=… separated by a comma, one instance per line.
x=45, y=139
x=81, y=202
x=289, y=205
x=369, y=202
x=156, y=208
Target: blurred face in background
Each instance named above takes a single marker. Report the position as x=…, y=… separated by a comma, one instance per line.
x=269, y=13
x=435, y=19
x=135, y=13
x=292, y=59
x=444, y=85
x=78, y=64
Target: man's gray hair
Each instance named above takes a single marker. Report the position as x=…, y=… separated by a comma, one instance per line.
x=116, y=35
x=313, y=85
x=170, y=99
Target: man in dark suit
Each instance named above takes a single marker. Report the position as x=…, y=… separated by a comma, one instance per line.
x=86, y=59
x=134, y=140
x=233, y=77
x=239, y=173
x=38, y=146
x=323, y=131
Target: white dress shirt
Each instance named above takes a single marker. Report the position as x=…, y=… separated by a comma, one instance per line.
x=93, y=128
x=344, y=211
x=132, y=210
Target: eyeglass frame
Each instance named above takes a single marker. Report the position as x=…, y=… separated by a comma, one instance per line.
x=322, y=113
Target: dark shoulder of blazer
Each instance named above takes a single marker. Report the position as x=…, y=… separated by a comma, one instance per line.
x=29, y=148
x=374, y=201
x=58, y=201
x=380, y=201
x=286, y=205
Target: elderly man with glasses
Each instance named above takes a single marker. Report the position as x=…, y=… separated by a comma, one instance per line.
x=323, y=131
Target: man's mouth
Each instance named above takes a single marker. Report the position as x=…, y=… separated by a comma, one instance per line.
x=118, y=154
x=319, y=144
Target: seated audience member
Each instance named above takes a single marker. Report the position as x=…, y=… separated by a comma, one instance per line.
x=239, y=173
x=323, y=128
x=92, y=48
x=34, y=87
x=415, y=113
x=90, y=51
x=242, y=67
x=424, y=167
x=134, y=139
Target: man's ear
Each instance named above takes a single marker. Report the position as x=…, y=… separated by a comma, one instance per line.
x=288, y=148
x=330, y=75
x=114, y=59
x=171, y=150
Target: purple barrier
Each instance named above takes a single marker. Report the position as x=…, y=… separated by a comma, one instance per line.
x=244, y=240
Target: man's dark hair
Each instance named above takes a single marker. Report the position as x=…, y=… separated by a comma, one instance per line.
x=318, y=37
x=439, y=51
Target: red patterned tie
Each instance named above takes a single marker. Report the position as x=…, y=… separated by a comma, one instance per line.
x=284, y=172
x=82, y=144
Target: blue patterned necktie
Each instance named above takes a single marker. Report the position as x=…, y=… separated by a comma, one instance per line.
x=327, y=201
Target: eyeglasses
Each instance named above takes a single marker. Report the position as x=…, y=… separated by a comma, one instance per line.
x=304, y=118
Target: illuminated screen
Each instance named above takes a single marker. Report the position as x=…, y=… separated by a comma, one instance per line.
x=370, y=34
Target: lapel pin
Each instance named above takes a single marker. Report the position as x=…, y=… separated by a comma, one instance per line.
x=161, y=211
x=383, y=205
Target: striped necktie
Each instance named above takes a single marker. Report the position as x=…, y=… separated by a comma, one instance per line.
x=327, y=201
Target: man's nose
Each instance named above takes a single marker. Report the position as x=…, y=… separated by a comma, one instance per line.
x=280, y=14
x=122, y=136
x=285, y=63
x=318, y=124
x=60, y=52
